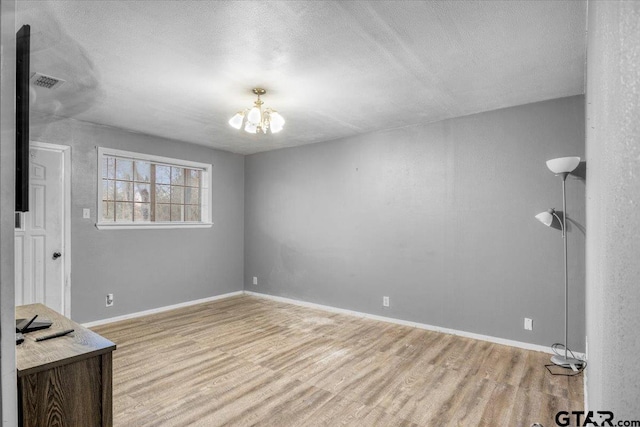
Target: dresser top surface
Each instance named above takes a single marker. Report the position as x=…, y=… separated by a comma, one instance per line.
x=33, y=356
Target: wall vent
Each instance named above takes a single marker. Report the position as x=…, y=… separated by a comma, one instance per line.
x=46, y=82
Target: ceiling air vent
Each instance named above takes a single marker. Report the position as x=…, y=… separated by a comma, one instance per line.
x=46, y=82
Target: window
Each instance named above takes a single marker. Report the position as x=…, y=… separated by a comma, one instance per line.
x=142, y=191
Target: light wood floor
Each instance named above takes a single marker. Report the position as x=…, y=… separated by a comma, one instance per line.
x=250, y=361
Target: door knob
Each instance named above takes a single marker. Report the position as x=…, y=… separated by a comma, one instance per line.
x=56, y=255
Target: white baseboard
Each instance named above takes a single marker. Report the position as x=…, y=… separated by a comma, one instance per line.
x=160, y=309
x=496, y=340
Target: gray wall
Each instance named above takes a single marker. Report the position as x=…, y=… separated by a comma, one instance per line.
x=440, y=217
x=8, y=396
x=613, y=208
x=146, y=269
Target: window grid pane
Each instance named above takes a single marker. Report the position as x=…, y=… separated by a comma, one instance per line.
x=177, y=213
x=124, y=191
x=108, y=212
x=142, y=171
x=177, y=195
x=163, y=212
x=124, y=212
x=163, y=174
x=177, y=176
x=193, y=177
x=141, y=212
x=124, y=169
x=108, y=189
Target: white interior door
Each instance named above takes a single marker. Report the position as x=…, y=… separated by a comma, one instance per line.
x=40, y=239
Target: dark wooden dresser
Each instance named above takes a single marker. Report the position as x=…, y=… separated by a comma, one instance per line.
x=64, y=381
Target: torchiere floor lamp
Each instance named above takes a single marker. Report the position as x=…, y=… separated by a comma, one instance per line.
x=562, y=166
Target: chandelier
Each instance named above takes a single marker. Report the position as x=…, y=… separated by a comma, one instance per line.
x=257, y=120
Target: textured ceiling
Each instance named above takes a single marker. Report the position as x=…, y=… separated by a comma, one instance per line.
x=181, y=69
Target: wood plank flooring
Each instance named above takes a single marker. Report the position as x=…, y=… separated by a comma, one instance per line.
x=248, y=361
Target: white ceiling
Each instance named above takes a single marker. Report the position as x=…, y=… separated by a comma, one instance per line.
x=181, y=69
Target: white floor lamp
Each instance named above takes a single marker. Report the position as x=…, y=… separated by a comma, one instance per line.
x=562, y=166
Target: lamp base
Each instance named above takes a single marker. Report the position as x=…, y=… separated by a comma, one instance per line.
x=566, y=362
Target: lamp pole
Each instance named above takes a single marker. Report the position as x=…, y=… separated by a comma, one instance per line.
x=566, y=275
x=565, y=361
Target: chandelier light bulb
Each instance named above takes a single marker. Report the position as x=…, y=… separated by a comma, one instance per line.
x=254, y=116
x=276, y=122
x=236, y=121
x=250, y=127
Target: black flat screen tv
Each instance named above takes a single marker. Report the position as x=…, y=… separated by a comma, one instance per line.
x=23, y=42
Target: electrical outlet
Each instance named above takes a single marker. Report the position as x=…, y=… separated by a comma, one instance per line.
x=86, y=213
x=528, y=324
x=385, y=301
x=255, y=280
x=109, y=300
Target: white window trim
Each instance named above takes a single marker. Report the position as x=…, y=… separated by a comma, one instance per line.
x=207, y=223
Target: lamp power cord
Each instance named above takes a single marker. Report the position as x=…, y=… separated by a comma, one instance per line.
x=558, y=349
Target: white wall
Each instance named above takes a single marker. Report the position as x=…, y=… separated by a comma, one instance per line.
x=613, y=208
x=146, y=269
x=437, y=216
x=8, y=408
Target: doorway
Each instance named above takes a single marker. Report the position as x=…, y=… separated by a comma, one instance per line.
x=42, y=235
